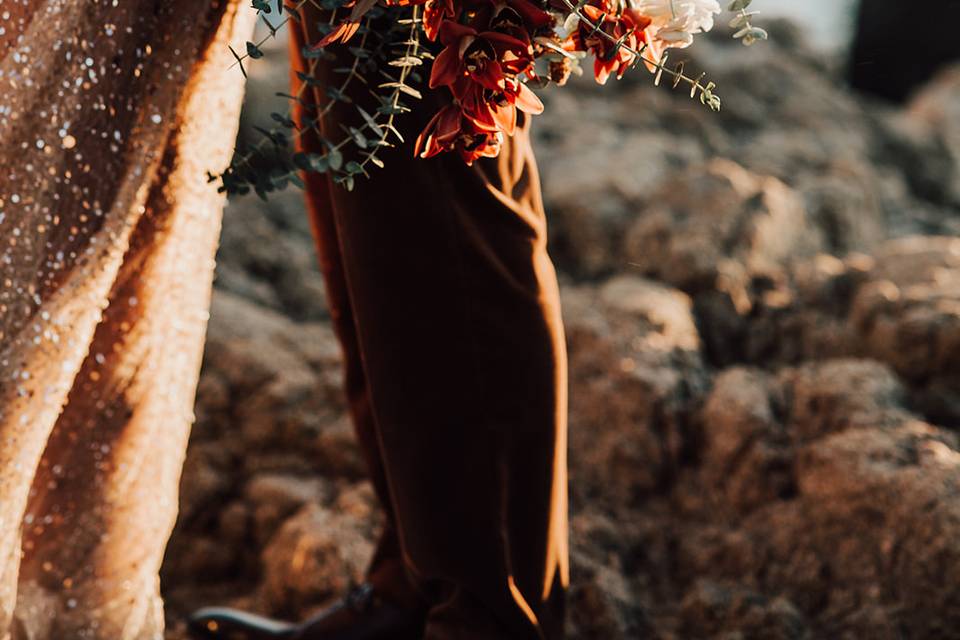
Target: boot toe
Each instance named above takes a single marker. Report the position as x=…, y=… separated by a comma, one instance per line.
x=214, y=623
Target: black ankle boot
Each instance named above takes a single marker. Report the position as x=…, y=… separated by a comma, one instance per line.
x=361, y=615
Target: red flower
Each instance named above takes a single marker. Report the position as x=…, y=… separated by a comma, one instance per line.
x=533, y=16
x=449, y=130
x=496, y=110
x=434, y=13
x=626, y=27
x=474, y=144
x=513, y=17
x=519, y=94
x=345, y=30
x=485, y=57
x=440, y=133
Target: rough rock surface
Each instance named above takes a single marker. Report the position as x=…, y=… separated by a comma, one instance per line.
x=763, y=316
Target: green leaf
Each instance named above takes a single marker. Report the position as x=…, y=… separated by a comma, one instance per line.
x=335, y=94
x=395, y=132
x=239, y=61
x=284, y=120
x=311, y=162
x=371, y=122
x=309, y=53
x=741, y=19
x=399, y=86
x=406, y=61
x=254, y=51
x=335, y=159
x=270, y=25
x=276, y=137
x=358, y=138
x=281, y=94
x=279, y=180
x=309, y=80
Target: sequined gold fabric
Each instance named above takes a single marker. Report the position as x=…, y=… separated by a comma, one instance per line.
x=111, y=113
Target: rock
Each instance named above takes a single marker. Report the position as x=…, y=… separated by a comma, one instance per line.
x=718, y=223
x=315, y=556
x=204, y=478
x=285, y=378
x=335, y=450
x=845, y=203
x=729, y=238
x=274, y=497
x=248, y=345
x=869, y=518
x=835, y=395
x=591, y=205
x=235, y=522
x=788, y=320
x=936, y=109
x=602, y=606
x=662, y=312
x=899, y=306
x=753, y=422
x=206, y=559
x=267, y=255
x=604, y=601
x=887, y=545
x=635, y=371
x=280, y=413
x=748, y=453
x=717, y=611
x=908, y=315
x=269, y=389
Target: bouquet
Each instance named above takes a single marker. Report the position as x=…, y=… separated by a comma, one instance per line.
x=487, y=57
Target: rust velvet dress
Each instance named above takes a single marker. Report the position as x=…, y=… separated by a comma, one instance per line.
x=447, y=307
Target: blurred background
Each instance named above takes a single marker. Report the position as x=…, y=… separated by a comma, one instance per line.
x=828, y=24
x=763, y=317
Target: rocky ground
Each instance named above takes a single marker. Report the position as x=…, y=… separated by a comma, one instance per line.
x=763, y=309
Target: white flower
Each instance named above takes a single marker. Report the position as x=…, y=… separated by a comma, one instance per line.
x=676, y=21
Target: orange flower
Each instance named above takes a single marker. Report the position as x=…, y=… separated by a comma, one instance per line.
x=434, y=13
x=496, y=110
x=450, y=130
x=512, y=16
x=440, y=133
x=485, y=57
x=346, y=29
x=626, y=27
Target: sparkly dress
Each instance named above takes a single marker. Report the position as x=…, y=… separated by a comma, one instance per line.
x=111, y=113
